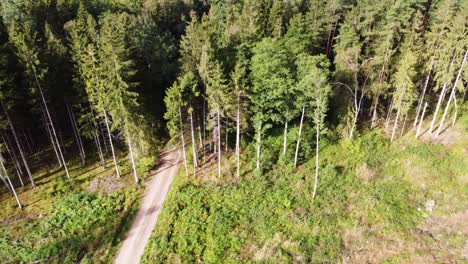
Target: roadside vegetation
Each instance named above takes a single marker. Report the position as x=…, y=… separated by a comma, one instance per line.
x=376, y=203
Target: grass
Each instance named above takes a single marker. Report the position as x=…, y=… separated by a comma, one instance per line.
x=63, y=220
x=370, y=206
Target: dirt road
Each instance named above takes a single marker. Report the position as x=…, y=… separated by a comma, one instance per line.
x=134, y=244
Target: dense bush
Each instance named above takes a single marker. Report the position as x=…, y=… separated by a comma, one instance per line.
x=77, y=221
x=271, y=216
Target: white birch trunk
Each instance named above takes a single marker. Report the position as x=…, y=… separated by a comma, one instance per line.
x=219, y=145
x=285, y=137
x=132, y=159
x=389, y=115
x=395, y=125
x=13, y=160
x=26, y=166
x=9, y=182
x=99, y=149
x=421, y=98
x=51, y=123
x=259, y=142
x=439, y=102
x=299, y=137
x=374, y=112
x=194, y=144
x=421, y=120
x=106, y=120
x=75, y=133
x=238, y=137
x=317, y=151
x=404, y=124
x=183, y=142
x=51, y=137
x=452, y=95
x=106, y=148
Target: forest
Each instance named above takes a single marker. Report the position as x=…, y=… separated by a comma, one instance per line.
x=307, y=131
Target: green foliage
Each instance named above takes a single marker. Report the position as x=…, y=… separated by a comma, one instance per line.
x=77, y=220
x=271, y=216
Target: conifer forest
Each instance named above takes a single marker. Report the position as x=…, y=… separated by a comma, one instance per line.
x=233, y=131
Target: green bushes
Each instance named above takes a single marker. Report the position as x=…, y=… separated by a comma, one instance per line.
x=270, y=217
x=78, y=220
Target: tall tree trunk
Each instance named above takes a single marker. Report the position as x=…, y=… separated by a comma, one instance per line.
x=51, y=123
x=78, y=133
x=226, y=135
x=26, y=166
x=183, y=142
x=317, y=150
x=9, y=182
x=51, y=137
x=421, y=98
x=421, y=120
x=374, y=112
x=452, y=95
x=395, y=125
x=26, y=139
x=285, y=136
x=75, y=133
x=132, y=158
x=299, y=137
x=99, y=149
x=219, y=145
x=331, y=36
x=259, y=142
x=238, y=137
x=439, y=102
x=389, y=115
x=194, y=145
x=13, y=160
x=404, y=124
x=106, y=120
x=204, y=131
x=106, y=148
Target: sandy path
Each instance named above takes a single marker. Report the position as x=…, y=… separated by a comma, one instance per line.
x=133, y=246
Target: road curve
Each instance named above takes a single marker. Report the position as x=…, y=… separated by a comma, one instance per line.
x=133, y=246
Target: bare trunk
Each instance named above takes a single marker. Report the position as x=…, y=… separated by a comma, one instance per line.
x=421, y=98
x=106, y=120
x=219, y=145
x=317, y=151
x=51, y=123
x=204, y=132
x=353, y=125
x=99, y=149
x=285, y=137
x=452, y=95
x=389, y=114
x=13, y=160
x=103, y=138
x=18, y=145
x=404, y=124
x=374, y=112
x=238, y=137
x=259, y=142
x=439, y=102
x=395, y=125
x=183, y=142
x=9, y=182
x=226, y=135
x=194, y=144
x=26, y=139
x=421, y=120
x=51, y=137
x=299, y=137
x=75, y=133
x=132, y=158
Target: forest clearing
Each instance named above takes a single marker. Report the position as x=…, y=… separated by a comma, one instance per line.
x=236, y=131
